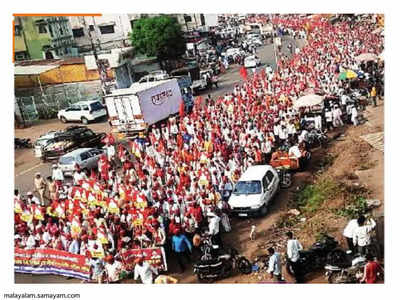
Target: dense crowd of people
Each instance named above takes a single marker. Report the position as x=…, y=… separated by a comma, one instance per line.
x=169, y=187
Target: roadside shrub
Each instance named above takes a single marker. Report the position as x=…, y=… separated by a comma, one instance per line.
x=313, y=195
x=357, y=206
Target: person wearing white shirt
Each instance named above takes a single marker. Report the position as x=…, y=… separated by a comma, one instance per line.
x=354, y=115
x=74, y=247
x=274, y=265
x=145, y=271
x=362, y=234
x=293, y=248
x=294, y=151
x=348, y=233
x=57, y=174
x=213, y=229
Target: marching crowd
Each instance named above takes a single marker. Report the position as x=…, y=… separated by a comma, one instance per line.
x=172, y=185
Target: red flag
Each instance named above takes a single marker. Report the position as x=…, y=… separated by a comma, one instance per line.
x=182, y=109
x=243, y=73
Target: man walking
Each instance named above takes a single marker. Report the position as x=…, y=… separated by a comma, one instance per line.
x=274, y=265
x=373, y=95
x=293, y=248
x=144, y=270
x=181, y=245
x=40, y=186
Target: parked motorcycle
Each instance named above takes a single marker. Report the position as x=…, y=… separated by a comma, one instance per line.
x=214, y=265
x=315, y=258
x=285, y=178
x=350, y=270
x=22, y=143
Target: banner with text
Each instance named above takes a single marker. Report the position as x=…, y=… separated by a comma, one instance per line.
x=154, y=256
x=51, y=261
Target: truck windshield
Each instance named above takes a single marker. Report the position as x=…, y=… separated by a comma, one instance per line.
x=248, y=187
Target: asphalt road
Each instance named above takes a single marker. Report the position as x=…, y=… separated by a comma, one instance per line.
x=25, y=171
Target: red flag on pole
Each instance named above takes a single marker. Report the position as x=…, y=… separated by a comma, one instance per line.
x=182, y=109
x=243, y=73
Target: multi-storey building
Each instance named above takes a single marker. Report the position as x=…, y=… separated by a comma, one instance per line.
x=42, y=38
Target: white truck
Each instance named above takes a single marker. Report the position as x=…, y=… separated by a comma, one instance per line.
x=134, y=109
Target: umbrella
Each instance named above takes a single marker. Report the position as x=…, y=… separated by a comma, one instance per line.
x=366, y=57
x=351, y=74
x=308, y=100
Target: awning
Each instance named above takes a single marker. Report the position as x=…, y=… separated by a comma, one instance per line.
x=308, y=100
x=33, y=70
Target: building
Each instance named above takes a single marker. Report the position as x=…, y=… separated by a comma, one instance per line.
x=106, y=32
x=190, y=22
x=42, y=38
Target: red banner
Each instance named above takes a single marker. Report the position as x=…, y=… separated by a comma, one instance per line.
x=51, y=261
x=154, y=256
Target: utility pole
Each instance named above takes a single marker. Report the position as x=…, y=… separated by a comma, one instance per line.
x=101, y=68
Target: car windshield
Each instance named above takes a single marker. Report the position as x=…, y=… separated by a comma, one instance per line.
x=96, y=106
x=67, y=160
x=248, y=187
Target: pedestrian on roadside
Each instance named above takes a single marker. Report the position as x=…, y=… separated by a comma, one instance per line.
x=293, y=248
x=354, y=115
x=181, y=245
x=371, y=270
x=144, y=270
x=57, y=175
x=373, y=95
x=362, y=234
x=348, y=233
x=274, y=265
x=40, y=186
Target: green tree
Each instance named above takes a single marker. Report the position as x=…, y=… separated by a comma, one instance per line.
x=158, y=36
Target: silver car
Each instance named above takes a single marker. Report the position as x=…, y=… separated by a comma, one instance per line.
x=85, y=158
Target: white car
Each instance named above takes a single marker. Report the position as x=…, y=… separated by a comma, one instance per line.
x=251, y=61
x=255, y=41
x=86, y=158
x=84, y=111
x=154, y=76
x=254, y=191
x=233, y=51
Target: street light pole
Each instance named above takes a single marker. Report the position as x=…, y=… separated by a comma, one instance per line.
x=100, y=65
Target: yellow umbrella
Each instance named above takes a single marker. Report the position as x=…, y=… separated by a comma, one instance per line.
x=351, y=74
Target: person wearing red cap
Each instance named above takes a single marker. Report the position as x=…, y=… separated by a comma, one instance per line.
x=144, y=270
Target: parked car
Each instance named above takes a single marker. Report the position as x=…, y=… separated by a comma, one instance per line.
x=62, y=142
x=84, y=111
x=252, y=61
x=154, y=76
x=254, y=191
x=254, y=41
x=85, y=158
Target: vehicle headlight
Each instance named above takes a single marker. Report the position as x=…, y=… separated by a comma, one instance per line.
x=256, y=206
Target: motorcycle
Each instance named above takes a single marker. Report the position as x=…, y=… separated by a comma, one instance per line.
x=349, y=270
x=22, y=143
x=285, y=178
x=213, y=265
x=315, y=258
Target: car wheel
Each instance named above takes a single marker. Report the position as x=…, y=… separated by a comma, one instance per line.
x=63, y=119
x=263, y=210
x=84, y=120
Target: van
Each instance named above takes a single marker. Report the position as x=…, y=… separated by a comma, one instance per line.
x=254, y=191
